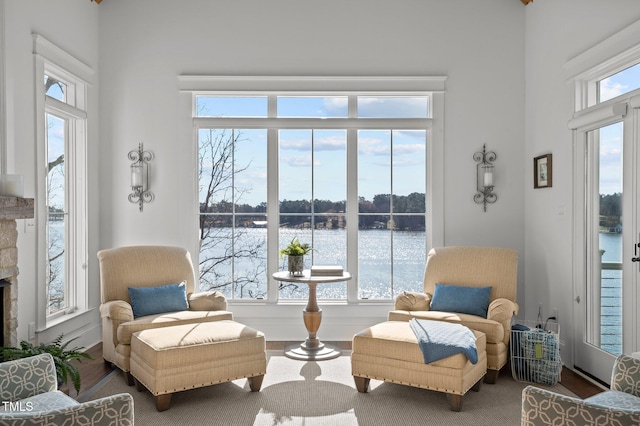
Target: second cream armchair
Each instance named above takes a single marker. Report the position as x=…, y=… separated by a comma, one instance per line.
x=472, y=267
x=146, y=267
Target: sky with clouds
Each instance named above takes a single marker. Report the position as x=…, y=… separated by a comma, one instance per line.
x=312, y=163
x=611, y=136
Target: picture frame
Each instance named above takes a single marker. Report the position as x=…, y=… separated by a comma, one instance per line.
x=542, y=171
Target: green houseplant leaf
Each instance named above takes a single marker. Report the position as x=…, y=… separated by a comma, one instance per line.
x=63, y=357
x=295, y=248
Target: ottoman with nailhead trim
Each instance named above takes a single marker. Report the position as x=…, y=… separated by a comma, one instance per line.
x=389, y=351
x=172, y=359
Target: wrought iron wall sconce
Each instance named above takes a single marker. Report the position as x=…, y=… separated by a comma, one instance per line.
x=484, y=177
x=140, y=176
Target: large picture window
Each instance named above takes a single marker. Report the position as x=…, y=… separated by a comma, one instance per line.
x=345, y=172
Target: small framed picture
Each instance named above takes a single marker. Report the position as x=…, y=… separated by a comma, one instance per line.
x=542, y=176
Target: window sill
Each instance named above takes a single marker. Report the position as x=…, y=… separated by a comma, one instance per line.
x=301, y=302
x=52, y=323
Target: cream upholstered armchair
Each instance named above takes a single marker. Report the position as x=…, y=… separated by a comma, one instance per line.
x=448, y=269
x=29, y=395
x=618, y=406
x=149, y=268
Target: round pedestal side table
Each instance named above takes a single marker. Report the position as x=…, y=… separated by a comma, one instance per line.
x=312, y=349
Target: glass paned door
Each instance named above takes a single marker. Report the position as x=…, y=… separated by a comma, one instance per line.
x=604, y=295
x=607, y=278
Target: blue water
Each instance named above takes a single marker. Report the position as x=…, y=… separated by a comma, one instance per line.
x=612, y=246
x=388, y=263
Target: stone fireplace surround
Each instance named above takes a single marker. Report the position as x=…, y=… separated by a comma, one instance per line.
x=11, y=209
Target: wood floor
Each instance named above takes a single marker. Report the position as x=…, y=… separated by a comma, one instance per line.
x=96, y=370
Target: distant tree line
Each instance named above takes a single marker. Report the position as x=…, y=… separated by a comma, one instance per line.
x=381, y=204
x=298, y=212
x=610, y=210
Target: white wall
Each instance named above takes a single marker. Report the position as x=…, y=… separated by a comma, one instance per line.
x=72, y=26
x=146, y=44
x=557, y=31
x=143, y=45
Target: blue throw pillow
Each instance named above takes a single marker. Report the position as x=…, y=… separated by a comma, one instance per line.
x=157, y=300
x=461, y=299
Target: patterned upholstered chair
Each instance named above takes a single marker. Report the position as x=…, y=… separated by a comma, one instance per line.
x=29, y=395
x=144, y=267
x=472, y=267
x=618, y=406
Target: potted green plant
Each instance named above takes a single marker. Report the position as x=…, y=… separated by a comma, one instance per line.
x=295, y=252
x=62, y=358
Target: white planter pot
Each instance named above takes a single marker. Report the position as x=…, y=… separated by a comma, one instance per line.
x=296, y=264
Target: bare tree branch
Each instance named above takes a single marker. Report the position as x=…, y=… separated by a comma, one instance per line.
x=56, y=162
x=222, y=241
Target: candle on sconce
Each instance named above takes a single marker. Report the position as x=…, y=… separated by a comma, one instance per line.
x=12, y=185
x=488, y=178
x=136, y=176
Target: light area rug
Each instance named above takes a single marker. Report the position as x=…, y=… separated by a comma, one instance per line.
x=323, y=393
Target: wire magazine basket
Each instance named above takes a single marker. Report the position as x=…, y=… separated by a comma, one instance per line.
x=535, y=352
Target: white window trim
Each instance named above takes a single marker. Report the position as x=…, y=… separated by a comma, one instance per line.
x=605, y=58
x=50, y=59
x=309, y=84
x=191, y=85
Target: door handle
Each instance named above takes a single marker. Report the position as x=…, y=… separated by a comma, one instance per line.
x=635, y=252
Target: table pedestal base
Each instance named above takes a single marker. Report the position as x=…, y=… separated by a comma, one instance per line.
x=312, y=349
x=317, y=352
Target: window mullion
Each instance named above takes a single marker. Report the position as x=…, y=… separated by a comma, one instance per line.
x=313, y=192
x=233, y=212
x=352, y=214
x=64, y=109
x=272, y=214
x=70, y=218
x=391, y=206
x=272, y=107
x=353, y=106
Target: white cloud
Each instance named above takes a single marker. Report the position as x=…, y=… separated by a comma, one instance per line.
x=609, y=89
x=329, y=143
x=399, y=107
x=337, y=104
x=610, y=158
x=373, y=147
x=297, y=160
x=296, y=145
x=408, y=149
